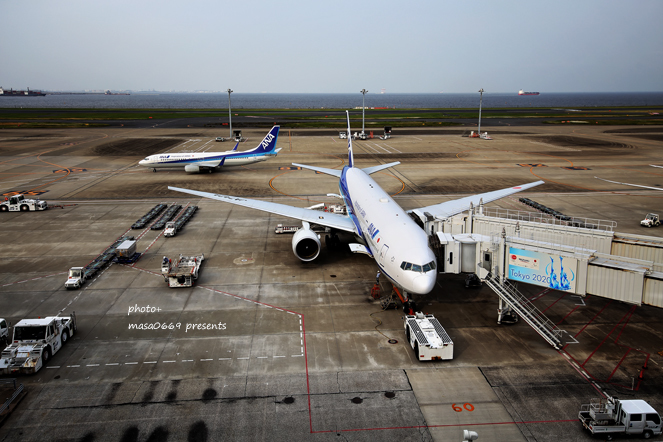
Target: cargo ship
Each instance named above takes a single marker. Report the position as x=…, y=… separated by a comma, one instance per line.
x=522, y=92
x=27, y=93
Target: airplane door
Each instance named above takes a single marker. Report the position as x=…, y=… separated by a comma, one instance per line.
x=383, y=253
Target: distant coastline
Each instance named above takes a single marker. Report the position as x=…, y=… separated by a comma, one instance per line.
x=154, y=100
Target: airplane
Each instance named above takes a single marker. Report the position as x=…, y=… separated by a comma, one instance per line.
x=383, y=229
x=634, y=185
x=197, y=162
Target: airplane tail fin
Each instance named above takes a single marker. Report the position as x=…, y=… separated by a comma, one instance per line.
x=351, y=161
x=268, y=144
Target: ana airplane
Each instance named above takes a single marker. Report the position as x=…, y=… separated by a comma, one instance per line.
x=196, y=162
x=634, y=185
x=384, y=230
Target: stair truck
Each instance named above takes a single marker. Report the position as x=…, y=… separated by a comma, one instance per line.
x=34, y=342
x=428, y=338
x=610, y=416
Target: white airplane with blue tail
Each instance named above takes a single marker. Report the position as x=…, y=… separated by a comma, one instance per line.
x=383, y=229
x=208, y=161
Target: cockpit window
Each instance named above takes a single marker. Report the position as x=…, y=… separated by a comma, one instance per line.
x=418, y=268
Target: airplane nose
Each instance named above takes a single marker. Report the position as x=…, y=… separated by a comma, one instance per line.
x=142, y=162
x=423, y=284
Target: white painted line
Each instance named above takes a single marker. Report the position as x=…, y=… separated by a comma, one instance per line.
x=150, y=362
x=225, y=359
x=296, y=356
x=130, y=363
x=54, y=366
x=207, y=359
x=167, y=362
x=92, y=365
x=279, y=356
x=187, y=360
x=115, y=363
x=261, y=357
x=242, y=358
x=73, y=366
x=291, y=313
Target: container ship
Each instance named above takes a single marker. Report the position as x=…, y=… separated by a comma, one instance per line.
x=522, y=92
x=27, y=93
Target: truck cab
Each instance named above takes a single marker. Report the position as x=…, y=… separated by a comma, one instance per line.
x=651, y=220
x=76, y=278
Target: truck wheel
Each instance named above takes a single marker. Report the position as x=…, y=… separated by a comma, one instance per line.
x=4, y=209
x=65, y=336
x=46, y=355
x=24, y=208
x=647, y=434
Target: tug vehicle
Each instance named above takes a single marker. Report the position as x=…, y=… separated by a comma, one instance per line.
x=184, y=272
x=428, y=338
x=651, y=220
x=19, y=203
x=34, y=342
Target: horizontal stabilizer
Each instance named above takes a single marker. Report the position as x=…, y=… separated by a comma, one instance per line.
x=370, y=170
x=332, y=172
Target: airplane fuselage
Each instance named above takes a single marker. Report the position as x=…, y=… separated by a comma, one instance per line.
x=185, y=159
x=398, y=245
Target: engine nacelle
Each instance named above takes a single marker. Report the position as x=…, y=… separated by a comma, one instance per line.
x=306, y=243
x=191, y=168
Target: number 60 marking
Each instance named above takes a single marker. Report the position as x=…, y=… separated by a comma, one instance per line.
x=467, y=406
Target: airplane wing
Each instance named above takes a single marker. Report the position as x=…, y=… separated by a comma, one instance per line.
x=333, y=220
x=627, y=184
x=370, y=170
x=450, y=208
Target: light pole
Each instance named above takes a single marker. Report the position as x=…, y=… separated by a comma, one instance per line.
x=230, y=121
x=480, y=100
x=363, y=108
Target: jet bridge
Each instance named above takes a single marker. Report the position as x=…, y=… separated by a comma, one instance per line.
x=504, y=247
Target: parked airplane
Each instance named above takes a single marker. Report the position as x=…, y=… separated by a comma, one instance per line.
x=634, y=185
x=386, y=232
x=196, y=162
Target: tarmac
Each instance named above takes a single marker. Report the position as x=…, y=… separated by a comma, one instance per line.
x=304, y=352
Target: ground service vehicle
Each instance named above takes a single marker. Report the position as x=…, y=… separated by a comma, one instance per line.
x=4, y=332
x=76, y=278
x=609, y=416
x=18, y=203
x=651, y=220
x=35, y=341
x=427, y=337
x=184, y=272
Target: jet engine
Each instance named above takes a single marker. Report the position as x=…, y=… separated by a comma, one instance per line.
x=191, y=168
x=306, y=243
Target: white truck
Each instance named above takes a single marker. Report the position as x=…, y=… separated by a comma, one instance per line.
x=170, y=229
x=184, y=272
x=651, y=220
x=76, y=278
x=428, y=338
x=35, y=341
x=4, y=332
x=19, y=203
x=609, y=416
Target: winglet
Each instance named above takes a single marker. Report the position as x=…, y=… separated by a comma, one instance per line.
x=351, y=161
x=235, y=148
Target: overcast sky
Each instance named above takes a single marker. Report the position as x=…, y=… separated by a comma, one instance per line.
x=333, y=46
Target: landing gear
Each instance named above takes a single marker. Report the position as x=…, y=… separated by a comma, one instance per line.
x=332, y=241
x=154, y=169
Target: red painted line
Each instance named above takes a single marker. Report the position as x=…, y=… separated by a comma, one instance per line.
x=569, y=314
x=630, y=312
x=618, y=364
x=592, y=320
x=584, y=373
x=554, y=303
x=625, y=322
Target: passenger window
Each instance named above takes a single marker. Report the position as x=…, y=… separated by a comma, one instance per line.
x=653, y=417
x=636, y=417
